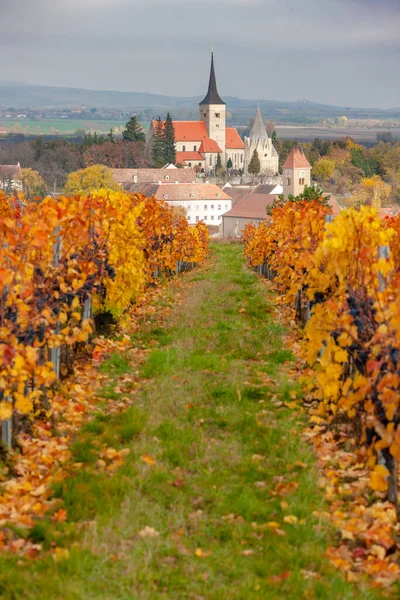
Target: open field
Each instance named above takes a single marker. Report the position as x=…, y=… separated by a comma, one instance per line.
x=306, y=133
x=297, y=132
x=58, y=126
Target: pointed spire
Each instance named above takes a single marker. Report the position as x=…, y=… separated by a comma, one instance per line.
x=258, y=130
x=212, y=94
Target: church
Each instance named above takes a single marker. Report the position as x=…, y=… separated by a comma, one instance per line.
x=200, y=143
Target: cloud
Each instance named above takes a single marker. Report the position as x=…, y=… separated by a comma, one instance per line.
x=326, y=50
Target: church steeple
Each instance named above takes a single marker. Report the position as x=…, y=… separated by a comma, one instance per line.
x=212, y=96
x=258, y=130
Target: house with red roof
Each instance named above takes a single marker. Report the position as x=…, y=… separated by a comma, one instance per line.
x=200, y=143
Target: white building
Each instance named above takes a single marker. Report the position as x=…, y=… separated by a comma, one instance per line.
x=201, y=201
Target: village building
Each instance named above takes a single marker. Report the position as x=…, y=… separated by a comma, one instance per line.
x=260, y=142
x=250, y=209
x=296, y=172
x=201, y=201
x=199, y=143
x=168, y=174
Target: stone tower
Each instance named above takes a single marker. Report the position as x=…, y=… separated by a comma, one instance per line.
x=259, y=140
x=213, y=113
x=296, y=172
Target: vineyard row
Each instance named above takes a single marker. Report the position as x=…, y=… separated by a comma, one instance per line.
x=344, y=284
x=63, y=260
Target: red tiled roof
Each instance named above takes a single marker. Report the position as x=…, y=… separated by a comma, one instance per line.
x=252, y=207
x=209, y=146
x=233, y=139
x=126, y=176
x=189, y=131
x=185, y=156
x=182, y=191
x=333, y=203
x=296, y=159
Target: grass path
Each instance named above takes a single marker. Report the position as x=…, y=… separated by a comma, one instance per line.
x=216, y=463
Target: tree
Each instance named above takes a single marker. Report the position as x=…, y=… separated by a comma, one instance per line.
x=324, y=169
x=270, y=127
x=110, y=136
x=372, y=190
x=92, y=178
x=117, y=155
x=158, y=145
x=229, y=164
x=385, y=136
x=169, y=141
x=254, y=165
x=274, y=138
x=33, y=183
x=218, y=165
x=133, y=131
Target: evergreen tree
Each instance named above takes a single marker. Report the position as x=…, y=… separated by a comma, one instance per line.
x=229, y=164
x=274, y=137
x=158, y=148
x=219, y=163
x=169, y=141
x=110, y=136
x=254, y=165
x=133, y=131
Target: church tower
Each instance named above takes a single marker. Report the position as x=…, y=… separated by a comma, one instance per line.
x=259, y=140
x=296, y=172
x=213, y=113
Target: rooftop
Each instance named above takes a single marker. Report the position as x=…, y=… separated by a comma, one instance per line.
x=212, y=96
x=297, y=159
x=252, y=206
x=181, y=191
x=126, y=176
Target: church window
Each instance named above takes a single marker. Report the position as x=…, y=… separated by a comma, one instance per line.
x=190, y=164
x=301, y=181
x=183, y=148
x=288, y=181
x=217, y=125
x=217, y=115
x=204, y=114
x=218, y=195
x=167, y=177
x=199, y=164
x=194, y=148
x=165, y=196
x=265, y=155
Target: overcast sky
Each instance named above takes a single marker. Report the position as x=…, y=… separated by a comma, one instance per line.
x=344, y=52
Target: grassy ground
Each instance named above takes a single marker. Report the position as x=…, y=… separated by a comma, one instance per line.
x=216, y=463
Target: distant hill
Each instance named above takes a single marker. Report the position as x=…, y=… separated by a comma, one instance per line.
x=24, y=96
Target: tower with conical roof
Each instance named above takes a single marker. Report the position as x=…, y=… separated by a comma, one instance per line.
x=213, y=112
x=258, y=140
x=296, y=172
